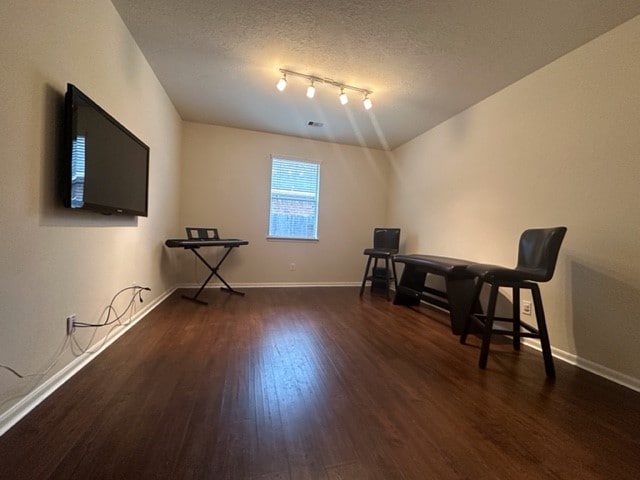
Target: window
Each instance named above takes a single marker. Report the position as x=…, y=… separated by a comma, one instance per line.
x=293, y=206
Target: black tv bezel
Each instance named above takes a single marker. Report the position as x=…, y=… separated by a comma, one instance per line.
x=73, y=93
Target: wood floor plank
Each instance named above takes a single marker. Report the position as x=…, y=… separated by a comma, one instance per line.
x=318, y=383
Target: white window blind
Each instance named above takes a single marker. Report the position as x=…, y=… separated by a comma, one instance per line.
x=293, y=206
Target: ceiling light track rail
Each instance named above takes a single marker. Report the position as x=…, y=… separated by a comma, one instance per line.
x=330, y=81
x=313, y=79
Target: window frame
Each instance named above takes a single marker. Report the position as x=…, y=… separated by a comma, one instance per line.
x=286, y=158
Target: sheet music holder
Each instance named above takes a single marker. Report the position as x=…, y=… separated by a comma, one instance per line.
x=202, y=233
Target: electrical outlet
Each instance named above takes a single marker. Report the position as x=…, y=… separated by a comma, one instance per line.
x=292, y=267
x=71, y=324
x=526, y=307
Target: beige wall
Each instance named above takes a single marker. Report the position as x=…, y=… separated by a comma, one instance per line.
x=55, y=262
x=226, y=175
x=560, y=147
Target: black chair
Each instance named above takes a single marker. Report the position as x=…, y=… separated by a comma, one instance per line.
x=386, y=242
x=537, y=256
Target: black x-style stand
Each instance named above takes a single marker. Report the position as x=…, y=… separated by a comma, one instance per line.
x=194, y=245
x=214, y=271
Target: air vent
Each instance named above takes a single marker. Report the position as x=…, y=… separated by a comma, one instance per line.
x=315, y=124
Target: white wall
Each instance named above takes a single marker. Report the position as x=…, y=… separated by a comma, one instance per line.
x=54, y=261
x=560, y=147
x=226, y=175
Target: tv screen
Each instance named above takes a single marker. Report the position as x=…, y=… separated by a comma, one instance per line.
x=106, y=166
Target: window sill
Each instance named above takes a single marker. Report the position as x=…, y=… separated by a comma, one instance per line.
x=291, y=239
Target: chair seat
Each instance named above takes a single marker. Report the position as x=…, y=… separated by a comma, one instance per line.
x=380, y=252
x=498, y=273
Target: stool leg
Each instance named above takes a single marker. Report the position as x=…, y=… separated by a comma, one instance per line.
x=395, y=275
x=476, y=299
x=544, y=334
x=373, y=271
x=366, y=274
x=488, y=326
x=516, y=318
x=388, y=273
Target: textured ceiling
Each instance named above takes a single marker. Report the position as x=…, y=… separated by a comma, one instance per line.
x=425, y=60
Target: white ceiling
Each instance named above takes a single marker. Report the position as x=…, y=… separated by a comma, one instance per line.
x=425, y=60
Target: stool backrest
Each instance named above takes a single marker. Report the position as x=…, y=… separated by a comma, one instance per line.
x=386, y=238
x=538, y=252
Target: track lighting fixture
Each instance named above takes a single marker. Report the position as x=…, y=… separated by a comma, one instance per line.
x=311, y=89
x=282, y=83
x=343, y=97
x=367, y=102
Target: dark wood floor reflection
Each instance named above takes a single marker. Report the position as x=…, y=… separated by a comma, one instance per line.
x=317, y=383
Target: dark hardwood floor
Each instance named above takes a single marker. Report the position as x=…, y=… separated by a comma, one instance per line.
x=317, y=383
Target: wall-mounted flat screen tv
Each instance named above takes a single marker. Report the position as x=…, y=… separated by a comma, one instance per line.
x=106, y=167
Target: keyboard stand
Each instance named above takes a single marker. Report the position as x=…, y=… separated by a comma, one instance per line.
x=214, y=271
x=194, y=245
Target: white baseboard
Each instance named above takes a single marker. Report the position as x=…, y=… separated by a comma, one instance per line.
x=593, y=367
x=572, y=359
x=274, y=285
x=12, y=416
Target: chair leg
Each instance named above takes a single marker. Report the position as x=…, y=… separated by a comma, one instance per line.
x=476, y=299
x=488, y=326
x=388, y=274
x=544, y=334
x=373, y=271
x=516, y=318
x=366, y=274
x=395, y=275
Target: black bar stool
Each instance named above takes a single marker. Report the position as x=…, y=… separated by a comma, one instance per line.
x=537, y=256
x=386, y=242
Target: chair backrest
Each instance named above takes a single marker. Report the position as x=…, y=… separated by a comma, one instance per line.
x=387, y=238
x=538, y=252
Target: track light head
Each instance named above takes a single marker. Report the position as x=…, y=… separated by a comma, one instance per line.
x=282, y=83
x=366, y=102
x=343, y=97
x=311, y=90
